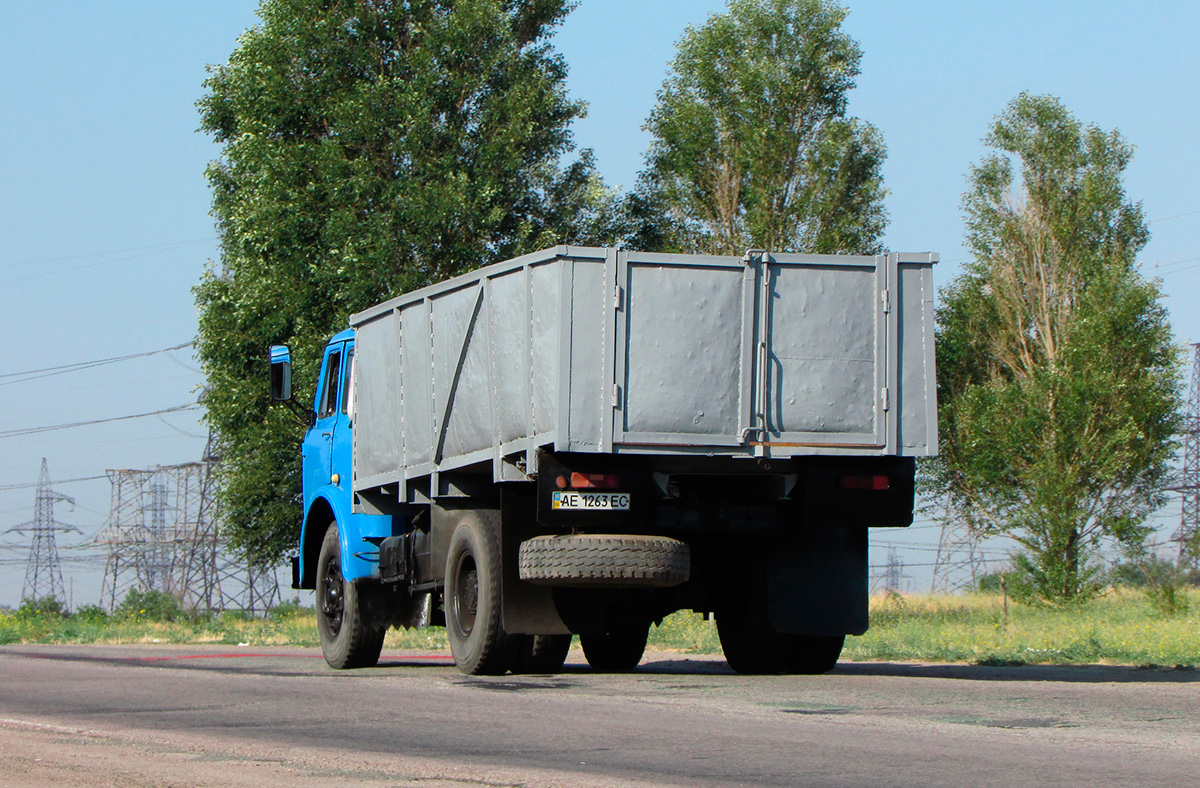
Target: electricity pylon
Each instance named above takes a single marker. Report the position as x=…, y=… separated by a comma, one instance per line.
x=43, y=573
x=1188, y=482
x=163, y=535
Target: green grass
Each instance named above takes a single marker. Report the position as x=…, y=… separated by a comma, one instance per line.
x=1121, y=627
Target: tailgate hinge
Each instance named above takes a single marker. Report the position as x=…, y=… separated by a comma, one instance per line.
x=885, y=398
x=886, y=298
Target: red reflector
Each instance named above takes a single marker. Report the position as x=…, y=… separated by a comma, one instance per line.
x=595, y=481
x=865, y=483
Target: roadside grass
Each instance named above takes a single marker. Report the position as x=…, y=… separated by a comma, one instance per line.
x=1120, y=627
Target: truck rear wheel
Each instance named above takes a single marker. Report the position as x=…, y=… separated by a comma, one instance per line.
x=813, y=654
x=472, y=600
x=751, y=645
x=541, y=653
x=617, y=651
x=346, y=640
x=592, y=560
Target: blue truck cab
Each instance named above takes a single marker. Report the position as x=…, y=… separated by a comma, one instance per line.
x=327, y=471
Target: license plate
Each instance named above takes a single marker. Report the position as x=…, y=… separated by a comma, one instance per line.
x=591, y=501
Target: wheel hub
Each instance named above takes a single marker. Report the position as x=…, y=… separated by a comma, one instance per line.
x=333, y=602
x=466, y=598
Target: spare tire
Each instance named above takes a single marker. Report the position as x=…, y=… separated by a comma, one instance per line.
x=605, y=560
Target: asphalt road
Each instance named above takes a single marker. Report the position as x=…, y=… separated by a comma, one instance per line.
x=167, y=716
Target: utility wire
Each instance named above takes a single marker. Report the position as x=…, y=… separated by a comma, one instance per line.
x=31, y=485
x=9, y=378
x=1176, y=216
x=1193, y=260
x=55, y=427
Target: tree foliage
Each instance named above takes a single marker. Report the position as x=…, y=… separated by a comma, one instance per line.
x=369, y=148
x=751, y=143
x=1057, y=375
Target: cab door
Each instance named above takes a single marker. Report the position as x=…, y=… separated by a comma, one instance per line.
x=319, y=441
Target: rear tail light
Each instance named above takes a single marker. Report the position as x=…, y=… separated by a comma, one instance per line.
x=589, y=481
x=876, y=482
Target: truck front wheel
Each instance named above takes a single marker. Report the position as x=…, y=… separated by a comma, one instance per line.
x=346, y=640
x=473, y=604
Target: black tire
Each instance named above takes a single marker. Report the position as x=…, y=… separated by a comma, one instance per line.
x=813, y=654
x=605, y=560
x=346, y=640
x=752, y=646
x=749, y=643
x=541, y=653
x=618, y=651
x=478, y=641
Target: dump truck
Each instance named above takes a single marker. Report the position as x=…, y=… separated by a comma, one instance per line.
x=583, y=441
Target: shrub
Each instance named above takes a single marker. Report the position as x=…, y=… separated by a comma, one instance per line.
x=91, y=614
x=148, y=606
x=46, y=607
x=1162, y=581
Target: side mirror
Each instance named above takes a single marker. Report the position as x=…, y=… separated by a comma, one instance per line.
x=281, y=373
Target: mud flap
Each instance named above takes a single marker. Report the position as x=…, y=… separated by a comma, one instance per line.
x=528, y=609
x=818, y=581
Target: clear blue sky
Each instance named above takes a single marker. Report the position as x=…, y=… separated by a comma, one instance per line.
x=104, y=223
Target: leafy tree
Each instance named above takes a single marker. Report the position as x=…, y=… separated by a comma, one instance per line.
x=1057, y=374
x=752, y=146
x=368, y=149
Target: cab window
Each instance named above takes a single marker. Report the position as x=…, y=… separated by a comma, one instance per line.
x=347, y=387
x=329, y=394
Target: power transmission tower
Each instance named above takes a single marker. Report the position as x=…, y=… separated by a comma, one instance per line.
x=125, y=536
x=893, y=573
x=1188, y=482
x=43, y=572
x=164, y=535
x=959, y=558
x=239, y=584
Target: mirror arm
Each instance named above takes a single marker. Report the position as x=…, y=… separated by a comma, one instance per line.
x=304, y=417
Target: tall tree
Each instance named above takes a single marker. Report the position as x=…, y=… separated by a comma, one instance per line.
x=752, y=146
x=1057, y=375
x=369, y=147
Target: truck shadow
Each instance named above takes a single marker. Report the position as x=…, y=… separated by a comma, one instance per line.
x=709, y=666
x=1073, y=674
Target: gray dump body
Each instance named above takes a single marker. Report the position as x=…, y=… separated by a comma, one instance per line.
x=603, y=350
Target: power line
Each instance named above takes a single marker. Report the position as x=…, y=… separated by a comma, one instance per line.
x=7, y=487
x=55, y=427
x=1176, y=216
x=36, y=374
x=1164, y=266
